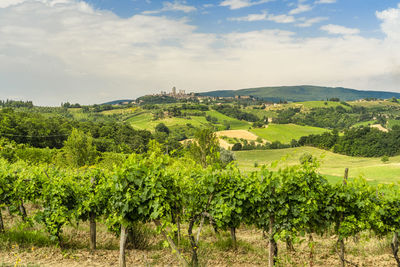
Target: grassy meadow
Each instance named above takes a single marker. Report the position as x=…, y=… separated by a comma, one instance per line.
x=144, y=121
x=332, y=165
x=284, y=133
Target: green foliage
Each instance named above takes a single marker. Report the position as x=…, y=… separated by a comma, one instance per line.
x=385, y=159
x=237, y=147
x=363, y=141
x=205, y=147
x=306, y=158
x=79, y=149
x=235, y=112
x=161, y=128
x=226, y=156
x=156, y=187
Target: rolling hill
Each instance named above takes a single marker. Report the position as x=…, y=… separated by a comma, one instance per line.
x=302, y=93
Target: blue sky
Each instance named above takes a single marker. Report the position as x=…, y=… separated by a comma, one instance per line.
x=218, y=16
x=52, y=51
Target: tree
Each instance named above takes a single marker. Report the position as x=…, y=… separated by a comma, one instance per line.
x=237, y=147
x=205, y=148
x=79, y=149
x=162, y=128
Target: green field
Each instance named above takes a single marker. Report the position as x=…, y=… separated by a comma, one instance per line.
x=315, y=104
x=392, y=123
x=286, y=132
x=332, y=165
x=234, y=123
x=364, y=123
x=144, y=120
x=371, y=104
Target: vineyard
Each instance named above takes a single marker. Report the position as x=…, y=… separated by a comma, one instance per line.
x=180, y=197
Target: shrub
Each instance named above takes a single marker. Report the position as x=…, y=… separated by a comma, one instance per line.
x=237, y=147
x=306, y=157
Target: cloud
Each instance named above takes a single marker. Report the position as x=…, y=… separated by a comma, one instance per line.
x=237, y=4
x=300, y=9
x=390, y=22
x=337, y=29
x=7, y=3
x=52, y=53
x=308, y=22
x=175, y=6
x=265, y=17
x=325, y=1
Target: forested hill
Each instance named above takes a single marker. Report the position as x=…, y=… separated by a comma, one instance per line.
x=303, y=93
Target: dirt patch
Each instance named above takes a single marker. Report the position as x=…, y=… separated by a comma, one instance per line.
x=380, y=128
x=238, y=134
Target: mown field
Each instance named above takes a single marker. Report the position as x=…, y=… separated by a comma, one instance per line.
x=284, y=133
x=332, y=165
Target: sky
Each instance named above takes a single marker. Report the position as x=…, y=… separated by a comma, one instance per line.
x=94, y=51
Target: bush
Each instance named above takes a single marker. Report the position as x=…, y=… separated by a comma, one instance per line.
x=226, y=156
x=162, y=128
x=385, y=159
x=237, y=147
x=306, y=157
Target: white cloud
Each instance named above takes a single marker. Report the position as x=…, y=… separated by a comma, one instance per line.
x=300, y=9
x=71, y=52
x=7, y=3
x=390, y=22
x=175, y=6
x=338, y=29
x=266, y=17
x=325, y=2
x=236, y=4
x=308, y=22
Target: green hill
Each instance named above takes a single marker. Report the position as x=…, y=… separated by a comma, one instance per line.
x=332, y=165
x=284, y=133
x=303, y=93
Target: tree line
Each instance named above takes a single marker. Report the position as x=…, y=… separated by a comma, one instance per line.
x=41, y=131
x=361, y=142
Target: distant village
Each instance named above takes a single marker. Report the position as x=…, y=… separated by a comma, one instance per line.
x=181, y=94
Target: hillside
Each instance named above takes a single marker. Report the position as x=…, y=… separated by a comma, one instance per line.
x=332, y=165
x=302, y=93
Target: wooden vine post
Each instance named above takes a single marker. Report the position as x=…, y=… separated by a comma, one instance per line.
x=395, y=247
x=122, y=246
x=1, y=223
x=92, y=219
x=341, y=240
x=273, y=246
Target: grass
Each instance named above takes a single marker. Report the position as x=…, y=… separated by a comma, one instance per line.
x=364, y=123
x=316, y=104
x=144, y=121
x=261, y=112
x=284, y=133
x=234, y=123
x=214, y=249
x=377, y=103
x=332, y=165
x=392, y=123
